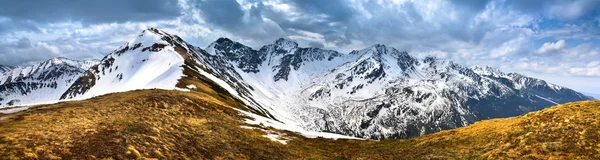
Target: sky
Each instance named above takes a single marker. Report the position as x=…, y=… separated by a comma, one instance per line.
x=555, y=40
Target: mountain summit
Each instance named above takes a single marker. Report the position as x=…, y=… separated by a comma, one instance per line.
x=377, y=92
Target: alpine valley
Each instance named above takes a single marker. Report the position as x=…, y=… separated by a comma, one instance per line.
x=374, y=93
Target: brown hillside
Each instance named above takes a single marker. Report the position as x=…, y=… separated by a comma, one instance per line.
x=202, y=124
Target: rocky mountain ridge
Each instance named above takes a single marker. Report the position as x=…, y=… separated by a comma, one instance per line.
x=377, y=92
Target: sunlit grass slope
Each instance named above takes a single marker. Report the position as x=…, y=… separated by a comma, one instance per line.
x=202, y=124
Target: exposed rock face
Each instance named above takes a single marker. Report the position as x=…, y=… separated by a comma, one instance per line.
x=377, y=92
x=380, y=92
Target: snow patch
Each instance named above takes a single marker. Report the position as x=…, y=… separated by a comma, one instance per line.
x=276, y=138
x=14, y=109
x=191, y=86
x=182, y=89
x=273, y=135
x=258, y=120
x=547, y=99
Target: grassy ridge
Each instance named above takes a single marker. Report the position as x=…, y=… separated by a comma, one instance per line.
x=148, y=123
x=203, y=125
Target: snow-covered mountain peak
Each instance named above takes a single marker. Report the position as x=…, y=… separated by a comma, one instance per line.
x=232, y=49
x=82, y=64
x=379, y=91
x=40, y=82
x=151, y=60
x=376, y=92
x=286, y=43
x=155, y=31
x=148, y=37
x=280, y=47
x=487, y=71
x=378, y=50
x=49, y=69
x=154, y=40
x=59, y=60
x=224, y=40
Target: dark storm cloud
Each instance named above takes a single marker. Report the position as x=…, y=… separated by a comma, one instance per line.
x=89, y=11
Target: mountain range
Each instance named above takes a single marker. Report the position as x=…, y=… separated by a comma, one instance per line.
x=378, y=92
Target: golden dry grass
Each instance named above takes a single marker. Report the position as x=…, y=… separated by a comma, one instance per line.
x=202, y=124
x=146, y=123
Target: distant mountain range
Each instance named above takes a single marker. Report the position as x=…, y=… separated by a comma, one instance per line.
x=44, y=82
x=377, y=92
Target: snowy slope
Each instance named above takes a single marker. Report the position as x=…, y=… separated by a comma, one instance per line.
x=145, y=62
x=377, y=92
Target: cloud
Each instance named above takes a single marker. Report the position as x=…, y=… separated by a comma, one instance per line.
x=13, y=53
x=498, y=33
x=581, y=60
x=223, y=13
x=230, y=19
x=476, y=5
x=594, y=71
x=316, y=45
x=572, y=10
x=90, y=12
x=582, y=52
x=23, y=43
x=564, y=10
x=594, y=64
x=341, y=12
x=552, y=47
x=66, y=40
